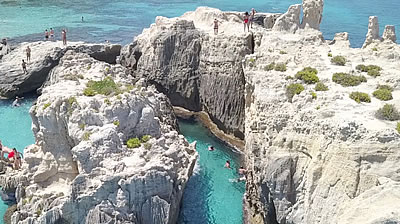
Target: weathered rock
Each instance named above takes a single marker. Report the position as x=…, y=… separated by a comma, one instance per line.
x=341, y=39
x=373, y=31
x=44, y=57
x=270, y=20
x=389, y=33
x=194, y=68
x=80, y=169
x=312, y=13
x=290, y=21
x=4, y=48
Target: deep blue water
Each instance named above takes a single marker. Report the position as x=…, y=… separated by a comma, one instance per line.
x=120, y=20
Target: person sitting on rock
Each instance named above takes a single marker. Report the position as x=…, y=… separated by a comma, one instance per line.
x=4, y=149
x=24, y=66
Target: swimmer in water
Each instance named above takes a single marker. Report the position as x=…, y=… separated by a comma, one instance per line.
x=16, y=101
x=228, y=164
x=211, y=148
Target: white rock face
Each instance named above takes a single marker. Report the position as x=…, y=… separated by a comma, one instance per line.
x=389, y=33
x=323, y=160
x=80, y=168
x=373, y=31
x=289, y=21
x=312, y=13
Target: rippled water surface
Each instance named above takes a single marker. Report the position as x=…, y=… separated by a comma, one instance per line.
x=212, y=194
x=120, y=20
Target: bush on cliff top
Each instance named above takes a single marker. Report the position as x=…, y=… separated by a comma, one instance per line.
x=293, y=89
x=360, y=97
x=372, y=70
x=106, y=87
x=321, y=87
x=133, y=143
x=346, y=79
x=388, y=112
x=339, y=60
x=308, y=75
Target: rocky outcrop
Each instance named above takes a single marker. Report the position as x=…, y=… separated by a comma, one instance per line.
x=389, y=33
x=321, y=159
x=289, y=21
x=373, y=31
x=44, y=56
x=80, y=169
x=196, y=69
x=312, y=13
x=4, y=48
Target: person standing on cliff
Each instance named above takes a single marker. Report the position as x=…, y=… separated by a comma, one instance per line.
x=28, y=54
x=46, y=35
x=246, y=21
x=51, y=34
x=64, y=36
x=252, y=16
x=24, y=66
x=215, y=26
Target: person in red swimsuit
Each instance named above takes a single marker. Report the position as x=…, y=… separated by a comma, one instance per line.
x=246, y=21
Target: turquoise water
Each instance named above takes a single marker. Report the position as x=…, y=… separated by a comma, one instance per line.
x=210, y=195
x=15, y=129
x=120, y=20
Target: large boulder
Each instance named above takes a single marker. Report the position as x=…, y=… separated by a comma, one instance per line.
x=389, y=33
x=289, y=21
x=312, y=13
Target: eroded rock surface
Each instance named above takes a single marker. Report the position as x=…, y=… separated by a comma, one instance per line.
x=80, y=169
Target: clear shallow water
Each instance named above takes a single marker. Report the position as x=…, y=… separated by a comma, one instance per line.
x=15, y=130
x=210, y=196
x=120, y=20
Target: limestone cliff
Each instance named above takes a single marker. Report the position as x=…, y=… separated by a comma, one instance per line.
x=44, y=56
x=320, y=157
x=80, y=169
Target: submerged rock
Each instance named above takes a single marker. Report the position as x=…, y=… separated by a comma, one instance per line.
x=80, y=169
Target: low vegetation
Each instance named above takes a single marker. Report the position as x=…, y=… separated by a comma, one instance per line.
x=106, y=87
x=388, y=112
x=293, y=89
x=320, y=86
x=86, y=135
x=330, y=55
x=371, y=70
x=82, y=126
x=136, y=142
x=269, y=67
x=346, y=79
x=383, y=92
x=282, y=52
x=280, y=67
x=308, y=75
x=398, y=127
x=360, y=97
x=339, y=60
x=313, y=95
x=116, y=123
x=46, y=105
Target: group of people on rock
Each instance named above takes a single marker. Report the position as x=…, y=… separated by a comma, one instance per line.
x=248, y=20
x=242, y=171
x=49, y=35
x=13, y=158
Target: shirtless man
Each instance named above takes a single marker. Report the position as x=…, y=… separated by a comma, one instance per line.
x=252, y=15
x=28, y=54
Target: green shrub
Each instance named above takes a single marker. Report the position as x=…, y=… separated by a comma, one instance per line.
x=289, y=77
x=360, y=97
x=372, y=70
x=82, y=126
x=374, y=73
x=147, y=146
x=374, y=49
x=388, y=112
x=38, y=211
x=385, y=87
x=133, y=143
x=339, y=60
x=280, y=67
x=46, y=105
x=72, y=100
x=318, y=107
x=330, y=55
x=89, y=67
x=293, y=89
x=383, y=94
x=107, y=101
x=362, y=68
x=104, y=87
x=145, y=138
x=398, y=127
x=320, y=86
x=313, y=95
x=116, y=123
x=86, y=135
x=308, y=75
x=346, y=79
x=282, y=52
x=269, y=67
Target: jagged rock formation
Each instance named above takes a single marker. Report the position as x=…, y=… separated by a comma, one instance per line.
x=323, y=160
x=80, y=169
x=289, y=21
x=196, y=69
x=312, y=13
x=4, y=49
x=389, y=33
x=44, y=57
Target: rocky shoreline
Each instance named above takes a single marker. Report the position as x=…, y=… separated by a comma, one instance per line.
x=317, y=150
